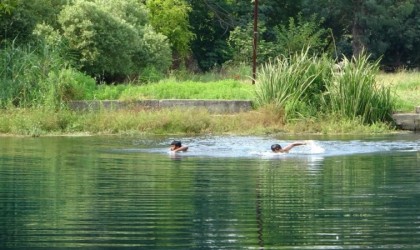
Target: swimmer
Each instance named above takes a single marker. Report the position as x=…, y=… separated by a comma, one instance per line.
x=176, y=146
x=276, y=148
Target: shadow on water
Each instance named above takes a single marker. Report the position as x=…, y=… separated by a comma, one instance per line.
x=226, y=192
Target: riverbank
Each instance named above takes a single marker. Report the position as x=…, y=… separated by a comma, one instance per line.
x=173, y=118
x=188, y=121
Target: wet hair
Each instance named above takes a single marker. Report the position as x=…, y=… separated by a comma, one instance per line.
x=275, y=147
x=176, y=143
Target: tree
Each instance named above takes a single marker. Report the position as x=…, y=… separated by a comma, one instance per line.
x=394, y=32
x=109, y=38
x=18, y=18
x=170, y=17
x=383, y=28
x=214, y=20
x=211, y=22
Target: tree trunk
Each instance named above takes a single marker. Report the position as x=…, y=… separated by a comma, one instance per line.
x=357, y=29
x=357, y=34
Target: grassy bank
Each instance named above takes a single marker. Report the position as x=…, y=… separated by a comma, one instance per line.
x=405, y=87
x=35, y=121
x=45, y=121
x=300, y=94
x=39, y=122
x=228, y=89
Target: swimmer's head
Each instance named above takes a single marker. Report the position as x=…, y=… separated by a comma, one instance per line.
x=275, y=147
x=175, y=145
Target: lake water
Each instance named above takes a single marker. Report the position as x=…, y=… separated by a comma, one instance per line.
x=227, y=192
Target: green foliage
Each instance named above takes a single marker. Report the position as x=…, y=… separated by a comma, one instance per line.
x=19, y=17
x=305, y=85
x=211, y=22
x=225, y=89
x=155, y=51
x=395, y=39
x=286, y=82
x=299, y=35
x=67, y=84
x=353, y=92
x=105, y=42
x=17, y=21
x=24, y=68
x=170, y=17
x=109, y=92
x=33, y=76
x=150, y=74
x=7, y=6
x=110, y=38
x=241, y=43
x=229, y=70
x=385, y=29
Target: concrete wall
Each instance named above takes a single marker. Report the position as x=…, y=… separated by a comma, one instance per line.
x=215, y=106
x=408, y=121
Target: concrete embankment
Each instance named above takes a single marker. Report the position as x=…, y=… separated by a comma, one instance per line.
x=214, y=106
x=408, y=121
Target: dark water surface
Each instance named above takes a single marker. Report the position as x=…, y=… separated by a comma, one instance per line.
x=225, y=193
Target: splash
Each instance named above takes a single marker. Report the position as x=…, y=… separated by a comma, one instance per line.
x=259, y=147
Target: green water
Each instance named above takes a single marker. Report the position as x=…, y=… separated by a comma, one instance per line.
x=225, y=193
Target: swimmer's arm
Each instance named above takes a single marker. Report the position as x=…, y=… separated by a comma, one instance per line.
x=183, y=149
x=292, y=145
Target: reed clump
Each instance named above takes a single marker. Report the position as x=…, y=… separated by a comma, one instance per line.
x=305, y=86
x=353, y=92
x=40, y=76
x=292, y=84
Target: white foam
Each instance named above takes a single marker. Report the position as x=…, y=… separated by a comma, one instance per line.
x=314, y=148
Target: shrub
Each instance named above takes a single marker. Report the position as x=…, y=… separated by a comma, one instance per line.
x=150, y=74
x=67, y=84
x=24, y=69
x=154, y=52
x=299, y=35
x=104, y=42
x=303, y=85
x=288, y=82
x=353, y=92
x=111, y=38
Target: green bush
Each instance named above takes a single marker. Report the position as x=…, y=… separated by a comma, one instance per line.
x=111, y=38
x=104, y=42
x=289, y=82
x=299, y=35
x=67, y=84
x=303, y=85
x=38, y=75
x=353, y=92
x=24, y=69
x=154, y=51
x=150, y=74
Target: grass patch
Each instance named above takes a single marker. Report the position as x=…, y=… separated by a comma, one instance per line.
x=224, y=89
x=405, y=86
x=265, y=120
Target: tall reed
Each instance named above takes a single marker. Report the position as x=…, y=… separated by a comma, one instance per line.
x=291, y=83
x=352, y=92
x=26, y=73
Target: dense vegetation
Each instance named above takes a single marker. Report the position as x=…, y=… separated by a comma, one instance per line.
x=316, y=60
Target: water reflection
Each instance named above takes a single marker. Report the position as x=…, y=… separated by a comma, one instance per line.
x=131, y=192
